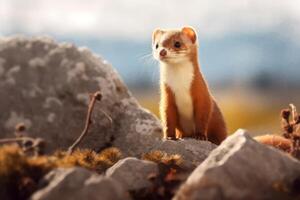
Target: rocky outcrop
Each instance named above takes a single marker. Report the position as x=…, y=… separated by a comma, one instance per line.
x=133, y=173
x=78, y=184
x=46, y=85
x=241, y=168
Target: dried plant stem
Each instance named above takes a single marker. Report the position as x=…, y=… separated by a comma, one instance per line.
x=107, y=116
x=291, y=126
x=294, y=113
x=96, y=96
x=28, y=144
x=19, y=139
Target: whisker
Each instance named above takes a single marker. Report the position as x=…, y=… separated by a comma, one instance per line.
x=145, y=56
x=151, y=61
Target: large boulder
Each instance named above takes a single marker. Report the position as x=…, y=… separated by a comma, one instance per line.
x=133, y=173
x=241, y=168
x=46, y=85
x=77, y=184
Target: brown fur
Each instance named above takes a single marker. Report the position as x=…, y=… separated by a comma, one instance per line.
x=208, y=119
x=276, y=141
x=168, y=111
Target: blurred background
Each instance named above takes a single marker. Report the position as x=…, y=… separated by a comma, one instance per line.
x=249, y=50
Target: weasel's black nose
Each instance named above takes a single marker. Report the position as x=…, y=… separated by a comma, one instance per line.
x=163, y=53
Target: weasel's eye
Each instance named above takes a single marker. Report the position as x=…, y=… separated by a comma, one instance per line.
x=156, y=46
x=177, y=44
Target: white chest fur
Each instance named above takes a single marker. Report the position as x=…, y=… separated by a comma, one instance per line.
x=179, y=78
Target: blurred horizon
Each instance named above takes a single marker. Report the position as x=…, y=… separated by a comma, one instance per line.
x=248, y=49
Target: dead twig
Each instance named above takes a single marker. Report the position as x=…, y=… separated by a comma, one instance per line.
x=20, y=130
x=107, y=116
x=294, y=114
x=94, y=97
x=290, y=123
x=14, y=140
x=28, y=144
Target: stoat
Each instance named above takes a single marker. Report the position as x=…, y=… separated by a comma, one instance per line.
x=187, y=108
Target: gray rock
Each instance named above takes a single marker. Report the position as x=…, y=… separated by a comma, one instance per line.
x=192, y=151
x=46, y=85
x=133, y=173
x=241, y=168
x=79, y=183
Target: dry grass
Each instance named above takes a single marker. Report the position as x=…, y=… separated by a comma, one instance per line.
x=88, y=159
x=20, y=174
x=257, y=118
x=290, y=124
x=162, y=157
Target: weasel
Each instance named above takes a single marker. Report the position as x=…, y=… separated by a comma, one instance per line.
x=187, y=108
x=276, y=141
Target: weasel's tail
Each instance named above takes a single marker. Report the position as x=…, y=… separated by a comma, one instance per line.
x=276, y=141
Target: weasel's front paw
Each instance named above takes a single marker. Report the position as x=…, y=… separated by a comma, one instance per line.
x=200, y=136
x=171, y=138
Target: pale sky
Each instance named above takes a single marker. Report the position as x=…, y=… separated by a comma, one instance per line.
x=137, y=18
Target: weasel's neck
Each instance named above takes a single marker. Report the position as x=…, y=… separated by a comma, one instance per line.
x=177, y=76
x=180, y=71
x=181, y=76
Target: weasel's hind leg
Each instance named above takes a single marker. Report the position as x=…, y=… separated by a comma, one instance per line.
x=276, y=141
x=217, y=134
x=217, y=131
x=179, y=133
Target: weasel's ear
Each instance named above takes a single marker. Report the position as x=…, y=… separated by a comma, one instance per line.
x=155, y=33
x=190, y=32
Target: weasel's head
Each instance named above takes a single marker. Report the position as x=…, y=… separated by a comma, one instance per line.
x=174, y=46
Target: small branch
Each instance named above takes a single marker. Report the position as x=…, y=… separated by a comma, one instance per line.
x=12, y=140
x=20, y=130
x=291, y=128
x=294, y=113
x=38, y=147
x=28, y=144
x=107, y=116
x=95, y=97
